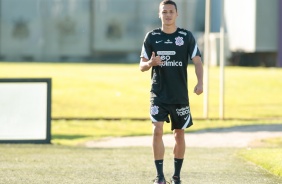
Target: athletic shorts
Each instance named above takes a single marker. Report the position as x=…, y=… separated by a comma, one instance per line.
x=179, y=114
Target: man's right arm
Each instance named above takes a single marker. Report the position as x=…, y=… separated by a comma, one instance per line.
x=146, y=64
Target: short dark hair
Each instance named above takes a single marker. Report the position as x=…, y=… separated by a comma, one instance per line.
x=164, y=2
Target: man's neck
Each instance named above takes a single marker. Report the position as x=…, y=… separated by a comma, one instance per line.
x=169, y=29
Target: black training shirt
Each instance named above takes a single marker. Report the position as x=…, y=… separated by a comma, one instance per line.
x=169, y=81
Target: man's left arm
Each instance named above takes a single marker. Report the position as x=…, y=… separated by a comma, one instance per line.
x=199, y=73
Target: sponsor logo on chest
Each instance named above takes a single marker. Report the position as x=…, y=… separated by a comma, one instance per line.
x=178, y=41
x=166, y=58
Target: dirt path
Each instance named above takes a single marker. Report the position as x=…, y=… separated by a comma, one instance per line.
x=236, y=137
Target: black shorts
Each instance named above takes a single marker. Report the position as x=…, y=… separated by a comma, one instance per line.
x=179, y=114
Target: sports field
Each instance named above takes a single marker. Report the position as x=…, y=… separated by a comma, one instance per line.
x=253, y=96
x=59, y=164
x=120, y=90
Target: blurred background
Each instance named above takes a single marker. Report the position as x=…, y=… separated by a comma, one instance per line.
x=113, y=30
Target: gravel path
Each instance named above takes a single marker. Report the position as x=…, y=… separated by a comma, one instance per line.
x=237, y=137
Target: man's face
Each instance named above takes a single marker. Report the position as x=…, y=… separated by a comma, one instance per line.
x=168, y=14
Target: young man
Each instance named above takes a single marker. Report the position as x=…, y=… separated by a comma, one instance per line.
x=167, y=50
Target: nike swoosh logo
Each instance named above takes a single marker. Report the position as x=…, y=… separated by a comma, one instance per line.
x=158, y=41
x=187, y=121
x=186, y=118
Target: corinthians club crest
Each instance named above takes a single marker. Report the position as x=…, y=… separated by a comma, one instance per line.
x=179, y=41
x=154, y=110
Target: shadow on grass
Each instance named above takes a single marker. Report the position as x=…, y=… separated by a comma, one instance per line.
x=245, y=128
x=70, y=137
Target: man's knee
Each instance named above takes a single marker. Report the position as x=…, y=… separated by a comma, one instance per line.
x=158, y=129
x=179, y=134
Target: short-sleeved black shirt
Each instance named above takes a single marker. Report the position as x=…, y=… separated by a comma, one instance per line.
x=169, y=80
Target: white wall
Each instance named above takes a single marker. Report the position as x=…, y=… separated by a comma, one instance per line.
x=252, y=25
x=240, y=22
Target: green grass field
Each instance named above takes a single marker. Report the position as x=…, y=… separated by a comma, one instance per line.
x=53, y=164
x=253, y=96
x=119, y=90
x=268, y=158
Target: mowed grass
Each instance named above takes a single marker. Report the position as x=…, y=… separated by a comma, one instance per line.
x=121, y=90
x=267, y=155
x=268, y=158
x=53, y=164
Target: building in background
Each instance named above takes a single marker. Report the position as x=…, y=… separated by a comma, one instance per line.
x=113, y=30
x=44, y=30
x=252, y=28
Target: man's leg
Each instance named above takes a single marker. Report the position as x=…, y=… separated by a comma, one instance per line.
x=179, y=151
x=179, y=147
x=158, y=147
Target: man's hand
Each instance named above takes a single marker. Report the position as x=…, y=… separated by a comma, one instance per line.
x=199, y=73
x=198, y=89
x=155, y=60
